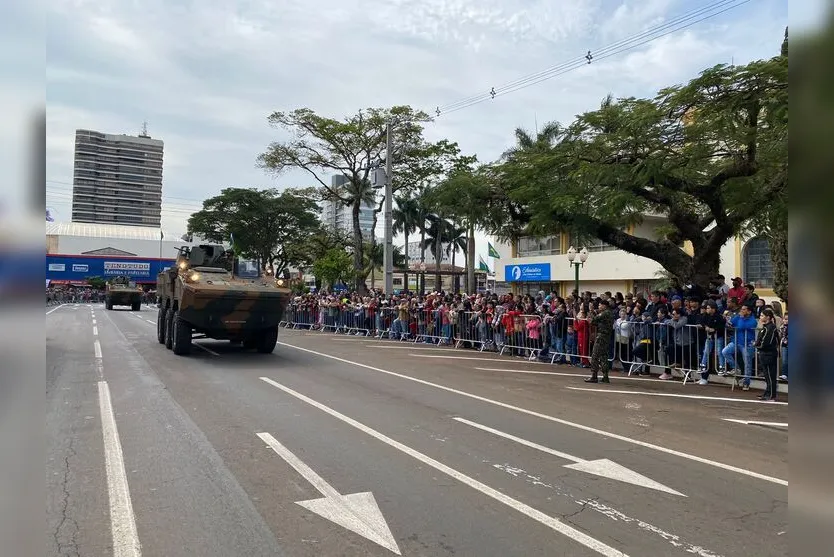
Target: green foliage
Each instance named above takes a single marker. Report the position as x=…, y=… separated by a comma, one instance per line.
x=267, y=225
x=324, y=146
x=97, y=282
x=334, y=267
x=709, y=156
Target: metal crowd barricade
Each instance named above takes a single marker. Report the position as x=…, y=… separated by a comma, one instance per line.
x=353, y=321
x=570, y=340
x=471, y=328
x=430, y=327
x=526, y=336
x=384, y=322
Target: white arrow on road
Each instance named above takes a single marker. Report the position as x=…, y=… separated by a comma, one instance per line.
x=600, y=467
x=358, y=512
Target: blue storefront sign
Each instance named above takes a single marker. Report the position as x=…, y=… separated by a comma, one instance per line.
x=76, y=269
x=530, y=272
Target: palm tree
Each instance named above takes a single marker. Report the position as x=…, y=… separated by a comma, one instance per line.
x=374, y=255
x=407, y=220
x=549, y=135
x=424, y=212
x=458, y=239
x=438, y=233
x=357, y=195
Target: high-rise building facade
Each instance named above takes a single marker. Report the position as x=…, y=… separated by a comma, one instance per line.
x=338, y=216
x=117, y=179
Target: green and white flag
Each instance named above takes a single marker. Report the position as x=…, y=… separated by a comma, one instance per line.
x=493, y=252
x=482, y=266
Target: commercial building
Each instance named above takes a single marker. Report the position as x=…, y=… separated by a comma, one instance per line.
x=534, y=264
x=117, y=179
x=76, y=252
x=338, y=216
x=414, y=254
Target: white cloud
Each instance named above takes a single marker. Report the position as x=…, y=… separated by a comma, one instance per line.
x=206, y=74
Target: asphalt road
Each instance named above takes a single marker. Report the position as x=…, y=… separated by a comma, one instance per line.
x=343, y=446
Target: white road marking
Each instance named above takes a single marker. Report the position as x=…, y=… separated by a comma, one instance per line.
x=94, y=321
x=357, y=512
x=472, y=358
x=151, y=322
x=97, y=348
x=755, y=422
x=409, y=346
x=674, y=395
x=562, y=374
x=601, y=467
x=209, y=350
x=122, y=520
x=554, y=419
x=56, y=308
x=95, y=331
x=524, y=509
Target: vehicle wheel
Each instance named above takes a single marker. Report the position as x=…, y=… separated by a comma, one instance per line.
x=160, y=325
x=267, y=340
x=169, y=329
x=108, y=305
x=181, y=343
x=137, y=307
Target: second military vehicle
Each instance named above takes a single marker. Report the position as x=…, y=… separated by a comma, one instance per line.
x=120, y=291
x=203, y=297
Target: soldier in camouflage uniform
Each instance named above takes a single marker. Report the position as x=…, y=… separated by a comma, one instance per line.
x=603, y=321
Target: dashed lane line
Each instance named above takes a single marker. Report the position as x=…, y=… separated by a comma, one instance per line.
x=554, y=419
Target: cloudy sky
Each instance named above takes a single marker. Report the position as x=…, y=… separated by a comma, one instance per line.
x=205, y=74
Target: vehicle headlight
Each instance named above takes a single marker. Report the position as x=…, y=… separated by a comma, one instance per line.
x=280, y=282
x=195, y=277
x=183, y=265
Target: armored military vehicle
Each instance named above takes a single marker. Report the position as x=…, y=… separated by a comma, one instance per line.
x=202, y=296
x=120, y=291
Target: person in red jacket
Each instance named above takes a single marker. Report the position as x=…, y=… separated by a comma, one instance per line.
x=582, y=328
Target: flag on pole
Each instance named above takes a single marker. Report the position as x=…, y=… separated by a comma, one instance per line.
x=482, y=266
x=493, y=252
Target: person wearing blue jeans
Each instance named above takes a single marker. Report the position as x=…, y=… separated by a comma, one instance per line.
x=744, y=327
x=715, y=327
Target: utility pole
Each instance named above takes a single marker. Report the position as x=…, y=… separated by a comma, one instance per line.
x=388, y=253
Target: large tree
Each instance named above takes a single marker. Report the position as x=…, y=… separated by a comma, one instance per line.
x=709, y=156
x=466, y=193
x=352, y=147
x=266, y=224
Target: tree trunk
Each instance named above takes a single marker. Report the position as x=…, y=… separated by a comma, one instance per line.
x=405, y=273
x=358, y=249
x=438, y=250
x=778, y=243
x=422, y=258
x=472, y=285
x=455, y=277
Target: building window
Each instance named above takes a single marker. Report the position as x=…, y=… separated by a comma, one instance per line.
x=533, y=247
x=580, y=241
x=757, y=266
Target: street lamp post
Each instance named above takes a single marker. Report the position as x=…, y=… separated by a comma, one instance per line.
x=577, y=260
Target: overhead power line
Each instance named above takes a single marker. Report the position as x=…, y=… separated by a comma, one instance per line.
x=672, y=26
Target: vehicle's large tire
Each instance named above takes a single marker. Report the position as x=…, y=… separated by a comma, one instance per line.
x=181, y=343
x=108, y=305
x=169, y=329
x=137, y=307
x=250, y=343
x=267, y=340
x=160, y=325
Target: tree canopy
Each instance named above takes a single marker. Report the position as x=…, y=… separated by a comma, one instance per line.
x=333, y=267
x=708, y=156
x=352, y=148
x=267, y=225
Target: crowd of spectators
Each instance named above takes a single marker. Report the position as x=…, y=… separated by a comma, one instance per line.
x=719, y=330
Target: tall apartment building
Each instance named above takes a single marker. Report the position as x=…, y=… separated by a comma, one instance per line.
x=414, y=253
x=117, y=179
x=339, y=217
